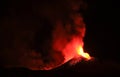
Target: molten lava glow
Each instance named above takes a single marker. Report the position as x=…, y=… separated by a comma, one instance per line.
x=81, y=52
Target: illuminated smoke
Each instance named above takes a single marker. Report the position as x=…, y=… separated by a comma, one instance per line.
x=42, y=34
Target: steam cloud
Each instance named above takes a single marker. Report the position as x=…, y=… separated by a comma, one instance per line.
x=40, y=34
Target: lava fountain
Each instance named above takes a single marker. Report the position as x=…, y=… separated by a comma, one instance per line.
x=82, y=53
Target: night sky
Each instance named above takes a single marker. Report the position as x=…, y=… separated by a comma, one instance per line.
x=101, y=41
x=102, y=35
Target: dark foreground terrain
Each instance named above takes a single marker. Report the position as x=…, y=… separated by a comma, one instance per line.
x=82, y=69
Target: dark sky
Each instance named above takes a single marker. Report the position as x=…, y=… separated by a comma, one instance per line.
x=102, y=35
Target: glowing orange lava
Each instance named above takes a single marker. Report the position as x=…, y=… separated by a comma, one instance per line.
x=81, y=52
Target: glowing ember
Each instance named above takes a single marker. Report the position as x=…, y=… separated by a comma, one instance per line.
x=81, y=52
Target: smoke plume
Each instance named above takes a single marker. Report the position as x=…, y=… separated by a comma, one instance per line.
x=40, y=34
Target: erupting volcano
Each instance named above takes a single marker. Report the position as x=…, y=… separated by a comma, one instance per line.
x=43, y=34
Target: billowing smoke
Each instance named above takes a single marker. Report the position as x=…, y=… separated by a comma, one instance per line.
x=40, y=34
